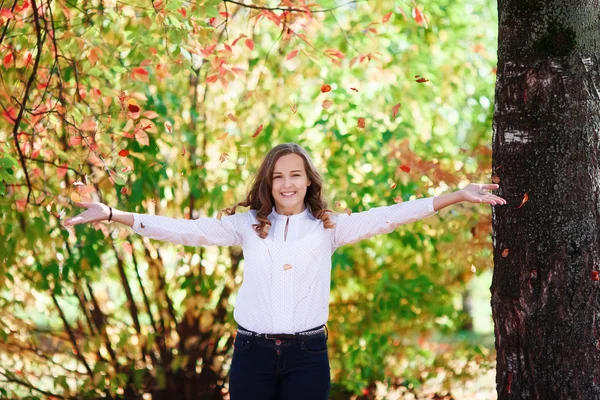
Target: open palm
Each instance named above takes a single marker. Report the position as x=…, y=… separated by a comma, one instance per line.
x=95, y=212
x=475, y=193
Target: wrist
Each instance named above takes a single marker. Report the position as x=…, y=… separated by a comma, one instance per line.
x=110, y=213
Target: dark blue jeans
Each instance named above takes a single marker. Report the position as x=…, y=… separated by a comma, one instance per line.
x=265, y=369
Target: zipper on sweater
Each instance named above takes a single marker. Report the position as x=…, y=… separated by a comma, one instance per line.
x=287, y=223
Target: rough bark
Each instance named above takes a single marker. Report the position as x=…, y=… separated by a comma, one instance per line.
x=546, y=252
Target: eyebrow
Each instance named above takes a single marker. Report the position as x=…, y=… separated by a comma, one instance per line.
x=296, y=170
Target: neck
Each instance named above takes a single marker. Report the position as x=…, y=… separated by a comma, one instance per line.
x=289, y=212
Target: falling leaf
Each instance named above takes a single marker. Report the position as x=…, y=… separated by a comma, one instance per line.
x=258, y=130
x=134, y=108
x=292, y=55
x=595, y=276
x=393, y=186
x=325, y=88
x=326, y=104
x=398, y=199
x=395, y=110
x=168, y=127
x=212, y=78
x=124, y=153
x=525, y=199
x=249, y=44
x=124, y=191
x=294, y=108
x=355, y=89
x=361, y=123
x=348, y=211
x=405, y=168
x=224, y=157
x=223, y=136
x=505, y=253
x=386, y=17
x=231, y=117
x=421, y=79
x=495, y=179
x=417, y=15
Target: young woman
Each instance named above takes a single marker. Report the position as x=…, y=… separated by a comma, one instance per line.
x=287, y=236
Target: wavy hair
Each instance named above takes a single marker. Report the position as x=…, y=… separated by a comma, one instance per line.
x=259, y=196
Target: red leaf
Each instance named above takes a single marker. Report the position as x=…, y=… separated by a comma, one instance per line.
x=361, y=123
x=124, y=192
x=395, y=110
x=134, y=108
x=88, y=125
x=325, y=88
x=10, y=114
x=236, y=40
x=292, y=55
x=231, y=117
x=258, y=130
x=168, y=127
x=405, y=168
x=595, y=276
x=75, y=140
x=505, y=253
x=5, y=12
x=335, y=53
x=355, y=89
x=212, y=78
x=8, y=60
x=386, y=17
x=417, y=15
x=249, y=44
x=327, y=104
x=62, y=171
x=393, y=186
x=124, y=153
x=525, y=200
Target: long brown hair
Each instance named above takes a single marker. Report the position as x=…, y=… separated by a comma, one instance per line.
x=259, y=196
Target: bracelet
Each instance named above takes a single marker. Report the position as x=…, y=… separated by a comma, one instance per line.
x=110, y=215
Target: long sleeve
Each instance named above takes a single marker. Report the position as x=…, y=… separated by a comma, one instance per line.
x=363, y=225
x=196, y=232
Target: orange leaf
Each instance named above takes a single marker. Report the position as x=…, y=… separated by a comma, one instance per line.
x=258, y=130
x=150, y=114
x=231, y=117
x=386, y=17
x=62, y=171
x=223, y=136
x=295, y=108
x=405, y=168
x=361, y=123
x=393, y=186
x=292, y=55
x=395, y=110
x=236, y=40
x=88, y=125
x=327, y=104
x=249, y=44
x=525, y=200
x=505, y=253
x=325, y=88
x=495, y=179
x=595, y=276
x=75, y=140
x=124, y=153
x=212, y=78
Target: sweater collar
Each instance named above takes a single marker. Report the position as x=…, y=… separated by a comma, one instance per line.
x=303, y=215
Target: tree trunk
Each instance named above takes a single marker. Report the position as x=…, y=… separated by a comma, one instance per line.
x=545, y=145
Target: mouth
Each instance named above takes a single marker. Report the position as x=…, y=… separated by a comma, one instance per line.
x=287, y=195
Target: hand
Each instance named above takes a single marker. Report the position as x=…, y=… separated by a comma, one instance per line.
x=479, y=193
x=95, y=212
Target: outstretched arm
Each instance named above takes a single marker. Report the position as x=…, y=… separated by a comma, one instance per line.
x=198, y=232
x=379, y=220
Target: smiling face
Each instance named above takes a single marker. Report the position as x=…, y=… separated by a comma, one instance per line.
x=289, y=184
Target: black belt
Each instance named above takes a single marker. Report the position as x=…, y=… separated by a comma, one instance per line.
x=284, y=336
